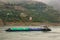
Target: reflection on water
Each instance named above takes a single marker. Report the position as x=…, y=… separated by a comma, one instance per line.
x=32, y=35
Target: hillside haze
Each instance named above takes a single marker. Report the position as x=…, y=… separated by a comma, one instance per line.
x=55, y=4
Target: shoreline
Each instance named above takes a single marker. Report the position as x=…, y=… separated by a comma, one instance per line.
x=29, y=24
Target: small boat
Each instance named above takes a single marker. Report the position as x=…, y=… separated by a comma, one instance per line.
x=27, y=29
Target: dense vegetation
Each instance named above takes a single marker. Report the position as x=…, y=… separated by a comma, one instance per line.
x=39, y=11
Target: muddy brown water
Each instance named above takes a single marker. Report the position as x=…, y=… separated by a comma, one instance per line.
x=32, y=35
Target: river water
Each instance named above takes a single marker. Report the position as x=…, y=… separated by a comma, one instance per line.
x=32, y=35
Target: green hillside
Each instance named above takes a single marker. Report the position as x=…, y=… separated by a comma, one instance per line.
x=39, y=11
